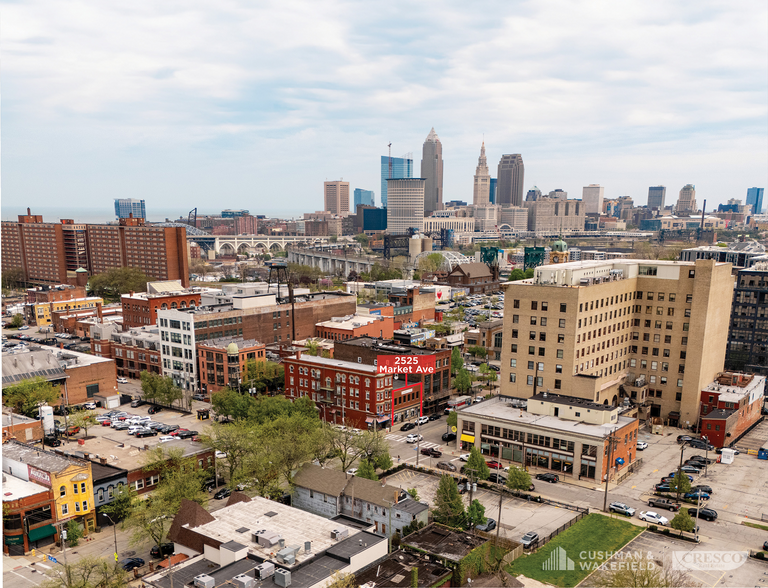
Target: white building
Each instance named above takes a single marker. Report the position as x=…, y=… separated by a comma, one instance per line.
x=405, y=205
x=592, y=196
x=177, y=347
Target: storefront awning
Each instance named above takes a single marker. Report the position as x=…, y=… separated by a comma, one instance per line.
x=468, y=438
x=41, y=532
x=380, y=419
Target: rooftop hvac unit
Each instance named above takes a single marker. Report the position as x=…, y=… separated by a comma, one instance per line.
x=203, y=581
x=340, y=533
x=243, y=581
x=266, y=538
x=282, y=578
x=265, y=570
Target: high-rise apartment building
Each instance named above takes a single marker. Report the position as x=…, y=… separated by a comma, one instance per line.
x=482, y=186
x=686, y=203
x=52, y=253
x=365, y=197
x=432, y=172
x=510, y=176
x=336, y=197
x=656, y=196
x=405, y=206
x=755, y=198
x=748, y=333
x=653, y=332
x=394, y=168
x=592, y=197
x=126, y=207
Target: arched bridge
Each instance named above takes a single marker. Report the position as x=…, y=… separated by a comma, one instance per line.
x=242, y=244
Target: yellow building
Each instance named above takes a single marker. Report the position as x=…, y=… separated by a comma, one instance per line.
x=43, y=310
x=70, y=478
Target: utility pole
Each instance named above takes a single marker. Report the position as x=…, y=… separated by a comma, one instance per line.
x=114, y=528
x=472, y=484
x=611, y=441
x=501, y=492
x=680, y=470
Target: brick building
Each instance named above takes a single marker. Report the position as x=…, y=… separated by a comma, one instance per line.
x=29, y=512
x=77, y=321
x=55, y=293
x=42, y=313
x=351, y=326
x=22, y=428
x=221, y=363
x=36, y=247
x=412, y=306
x=488, y=334
x=475, y=278
x=134, y=351
x=437, y=387
x=344, y=391
x=569, y=436
x=140, y=308
x=729, y=406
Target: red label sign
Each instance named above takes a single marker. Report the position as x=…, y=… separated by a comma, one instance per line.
x=406, y=364
x=39, y=476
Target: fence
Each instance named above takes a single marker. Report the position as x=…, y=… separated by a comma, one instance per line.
x=544, y=540
x=629, y=470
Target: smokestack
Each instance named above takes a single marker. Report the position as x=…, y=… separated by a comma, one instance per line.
x=99, y=313
x=29, y=211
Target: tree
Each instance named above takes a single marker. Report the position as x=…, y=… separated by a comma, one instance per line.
x=475, y=514
x=230, y=403
x=121, y=506
x=463, y=382
x=489, y=375
x=28, y=395
x=84, y=420
x=431, y=263
x=477, y=462
x=238, y=440
x=87, y=571
x=119, y=280
x=516, y=275
x=528, y=273
x=518, y=479
x=17, y=321
x=341, y=580
x=350, y=445
x=453, y=419
x=640, y=570
x=74, y=533
x=683, y=521
x=363, y=239
x=295, y=437
x=13, y=278
x=366, y=470
x=413, y=493
x=680, y=484
x=157, y=388
x=478, y=351
x=449, y=507
x=313, y=348
x=456, y=361
x=200, y=267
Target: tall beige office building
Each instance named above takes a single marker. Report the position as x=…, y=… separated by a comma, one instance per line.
x=509, y=180
x=337, y=197
x=405, y=205
x=592, y=197
x=687, y=200
x=482, y=186
x=653, y=332
x=432, y=172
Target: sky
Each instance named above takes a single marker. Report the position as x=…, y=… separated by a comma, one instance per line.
x=253, y=104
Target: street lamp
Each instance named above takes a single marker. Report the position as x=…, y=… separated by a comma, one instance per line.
x=114, y=528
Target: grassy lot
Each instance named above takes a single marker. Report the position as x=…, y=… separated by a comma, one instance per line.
x=755, y=525
x=594, y=533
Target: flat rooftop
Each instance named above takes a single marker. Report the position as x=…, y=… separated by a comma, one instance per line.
x=350, y=322
x=503, y=411
x=294, y=525
x=571, y=401
x=337, y=363
x=15, y=488
x=18, y=419
x=388, y=346
x=395, y=571
x=48, y=461
x=131, y=455
x=444, y=542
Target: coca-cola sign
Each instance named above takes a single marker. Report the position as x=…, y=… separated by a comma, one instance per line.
x=39, y=476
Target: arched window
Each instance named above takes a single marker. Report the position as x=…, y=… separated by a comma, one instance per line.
x=164, y=306
x=174, y=305
x=101, y=494
x=182, y=304
x=62, y=491
x=191, y=303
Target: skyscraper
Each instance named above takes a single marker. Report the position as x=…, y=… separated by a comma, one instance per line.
x=124, y=207
x=656, y=195
x=755, y=198
x=492, y=192
x=592, y=197
x=337, y=197
x=364, y=197
x=482, y=187
x=686, y=203
x=432, y=172
x=402, y=167
x=509, y=186
x=405, y=205
x=533, y=194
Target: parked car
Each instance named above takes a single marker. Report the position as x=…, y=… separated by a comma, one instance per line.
x=121, y=426
x=683, y=438
x=653, y=517
x=672, y=475
x=155, y=426
x=422, y=420
x=642, y=445
x=621, y=508
x=720, y=450
x=464, y=457
x=448, y=437
x=167, y=429
x=122, y=380
x=90, y=405
x=146, y=432
x=489, y=525
x=186, y=434
x=154, y=409
x=551, y=478
x=407, y=427
x=702, y=459
x=703, y=488
x=166, y=438
x=352, y=471
x=696, y=494
x=175, y=432
x=497, y=478
x=161, y=551
x=73, y=430
x=701, y=444
x=692, y=469
x=136, y=403
x=435, y=417
x=413, y=438
x=198, y=397
x=530, y=538
x=495, y=465
x=662, y=488
x=223, y=493
x=51, y=441
x=447, y=466
x=131, y=563
x=705, y=513
x=431, y=452
x=659, y=502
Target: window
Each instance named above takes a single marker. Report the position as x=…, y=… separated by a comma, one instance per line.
x=85, y=505
x=534, y=305
x=512, y=363
x=543, y=321
x=680, y=383
x=545, y=306
x=560, y=338
x=542, y=336
x=514, y=333
x=559, y=354
x=558, y=384
x=82, y=487
x=533, y=320
x=531, y=365
x=678, y=396
x=558, y=369
x=512, y=378
x=691, y=273
x=515, y=304
x=515, y=318
x=64, y=509
x=77, y=507
x=74, y=488
x=513, y=348
x=689, y=297
x=562, y=323
x=530, y=380
x=531, y=350
x=532, y=335
x=670, y=311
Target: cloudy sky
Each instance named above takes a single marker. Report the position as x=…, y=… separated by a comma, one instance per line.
x=254, y=104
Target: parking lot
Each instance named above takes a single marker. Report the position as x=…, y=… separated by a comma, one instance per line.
x=518, y=516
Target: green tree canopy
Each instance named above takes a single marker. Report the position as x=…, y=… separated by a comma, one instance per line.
x=478, y=351
x=28, y=395
x=683, y=521
x=449, y=508
x=366, y=470
x=230, y=403
x=453, y=419
x=516, y=275
x=85, y=420
x=477, y=462
x=17, y=321
x=680, y=484
x=87, y=571
x=475, y=514
x=13, y=278
x=121, y=506
x=518, y=479
x=463, y=382
x=457, y=362
x=119, y=280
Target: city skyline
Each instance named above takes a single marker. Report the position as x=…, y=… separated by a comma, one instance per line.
x=185, y=119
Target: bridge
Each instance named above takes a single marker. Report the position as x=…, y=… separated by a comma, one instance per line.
x=242, y=244
x=332, y=263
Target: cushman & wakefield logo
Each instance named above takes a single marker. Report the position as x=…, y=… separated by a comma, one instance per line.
x=559, y=561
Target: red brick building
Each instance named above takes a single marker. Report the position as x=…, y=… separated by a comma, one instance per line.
x=29, y=512
x=134, y=351
x=140, y=308
x=729, y=406
x=357, y=325
x=345, y=392
x=411, y=306
x=475, y=277
x=20, y=427
x=56, y=293
x=221, y=362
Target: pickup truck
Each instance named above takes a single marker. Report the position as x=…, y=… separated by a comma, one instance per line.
x=664, y=503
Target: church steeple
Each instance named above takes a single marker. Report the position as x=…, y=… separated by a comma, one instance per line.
x=482, y=188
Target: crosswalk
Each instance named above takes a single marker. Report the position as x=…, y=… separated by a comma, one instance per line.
x=401, y=439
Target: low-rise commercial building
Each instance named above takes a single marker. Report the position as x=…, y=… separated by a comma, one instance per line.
x=29, y=512
x=21, y=428
x=107, y=482
x=473, y=278
x=730, y=406
x=357, y=325
x=222, y=362
x=554, y=433
x=140, y=308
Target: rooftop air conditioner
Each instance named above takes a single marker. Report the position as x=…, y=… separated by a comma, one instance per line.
x=243, y=581
x=265, y=570
x=282, y=578
x=204, y=581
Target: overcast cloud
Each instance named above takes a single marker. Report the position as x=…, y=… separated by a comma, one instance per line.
x=254, y=104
